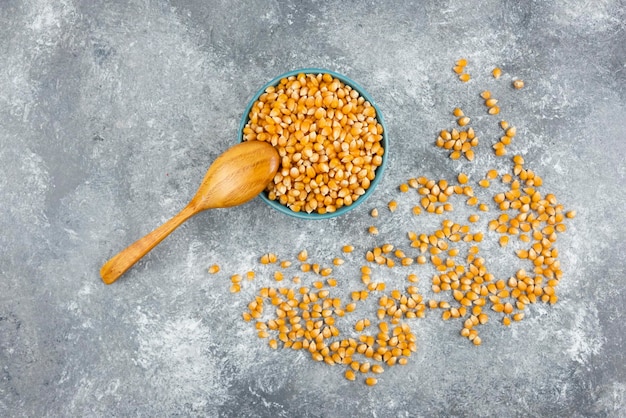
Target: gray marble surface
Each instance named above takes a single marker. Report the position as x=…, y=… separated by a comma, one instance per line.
x=110, y=114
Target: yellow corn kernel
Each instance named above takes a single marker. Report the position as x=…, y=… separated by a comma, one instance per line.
x=491, y=102
x=347, y=248
x=360, y=325
x=464, y=120
x=371, y=381
x=392, y=205
x=500, y=151
x=214, y=269
x=325, y=272
x=406, y=261
x=377, y=368
x=518, y=84
x=497, y=307
x=496, y=72
x=465, y=77
x=510, y=132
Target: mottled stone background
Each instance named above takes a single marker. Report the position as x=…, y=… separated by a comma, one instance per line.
x=110, y=113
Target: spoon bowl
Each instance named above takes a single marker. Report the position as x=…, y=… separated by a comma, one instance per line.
x=235, y=177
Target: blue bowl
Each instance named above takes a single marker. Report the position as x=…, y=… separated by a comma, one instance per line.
x=384, y=143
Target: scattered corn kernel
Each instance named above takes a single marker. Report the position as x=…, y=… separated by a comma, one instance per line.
x=518, y=84
x=510, y=132
x=494, y=110
x=491, y=102
x=305, y=317
x=496, y=72
x=377, y=368
x=462, y=121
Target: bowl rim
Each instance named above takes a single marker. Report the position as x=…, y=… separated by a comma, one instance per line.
x=384, y=141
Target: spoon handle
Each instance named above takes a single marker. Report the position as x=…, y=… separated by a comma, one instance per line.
x=126, y=258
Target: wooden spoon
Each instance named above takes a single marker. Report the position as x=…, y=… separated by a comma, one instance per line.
x=235, y=177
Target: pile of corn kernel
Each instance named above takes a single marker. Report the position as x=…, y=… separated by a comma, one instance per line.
x=307, y=314
x=328, y=138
